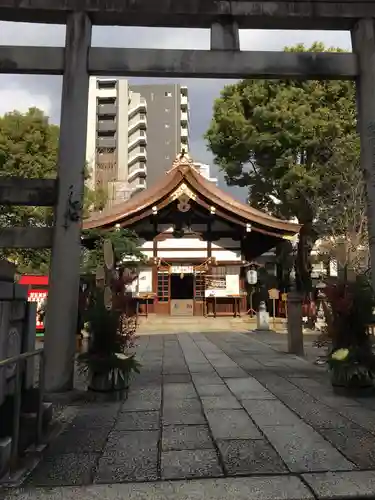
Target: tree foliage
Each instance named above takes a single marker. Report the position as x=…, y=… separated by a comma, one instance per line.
x=125, y=244
x=28, y=148
x=280, y=138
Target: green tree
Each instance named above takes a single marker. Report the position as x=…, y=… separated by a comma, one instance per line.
x=28, y=148
x=125, y=244
x=279, y=138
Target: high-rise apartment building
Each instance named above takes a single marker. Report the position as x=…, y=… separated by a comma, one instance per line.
x=134, y=134
x=116, y=138
x=168, y=125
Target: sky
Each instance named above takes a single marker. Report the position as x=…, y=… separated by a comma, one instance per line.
x=23, y=91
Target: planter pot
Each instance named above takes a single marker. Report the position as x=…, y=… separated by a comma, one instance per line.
x=116, y=385
x=354, y=391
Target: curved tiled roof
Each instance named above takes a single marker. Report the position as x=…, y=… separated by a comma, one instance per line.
x=183, y=171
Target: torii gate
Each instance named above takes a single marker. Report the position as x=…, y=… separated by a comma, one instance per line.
x=225, y=60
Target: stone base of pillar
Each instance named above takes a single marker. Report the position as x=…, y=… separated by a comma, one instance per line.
x=295, y=330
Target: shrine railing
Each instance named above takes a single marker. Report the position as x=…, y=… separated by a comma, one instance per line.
x=19, y=361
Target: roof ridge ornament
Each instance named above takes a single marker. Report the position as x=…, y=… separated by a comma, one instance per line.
x=182, y=159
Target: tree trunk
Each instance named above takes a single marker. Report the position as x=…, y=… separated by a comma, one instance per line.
x=303, y=266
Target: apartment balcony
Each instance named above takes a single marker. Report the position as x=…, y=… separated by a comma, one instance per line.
x=106, y=142
x=184, y=101
x=106, y=126
x=138, y=186
x=137, y=155
x=106, y=110
x=184, y=132
x=139, y=107
x=138, y=121
x=184, y=117
x=137, y=170
x=139, y=139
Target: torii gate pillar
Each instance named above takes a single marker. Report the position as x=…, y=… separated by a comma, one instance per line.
x=62, y=308
x=363, y=42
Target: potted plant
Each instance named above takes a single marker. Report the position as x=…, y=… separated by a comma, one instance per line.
x=349, y=311
x=110, y=322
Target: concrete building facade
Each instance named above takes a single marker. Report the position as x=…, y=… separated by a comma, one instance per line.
x=116, y=138
x=127, y=124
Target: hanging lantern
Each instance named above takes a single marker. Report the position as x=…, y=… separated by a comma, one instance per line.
x=252, y=277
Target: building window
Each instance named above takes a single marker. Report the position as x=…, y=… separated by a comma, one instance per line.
x=142, y=182
x=142, y=149
x=163, y=286
x=142, y=165
x=106, y=100
x=168, y=94
x=106, y=84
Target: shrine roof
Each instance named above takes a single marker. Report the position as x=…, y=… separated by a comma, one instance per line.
x=183, y=177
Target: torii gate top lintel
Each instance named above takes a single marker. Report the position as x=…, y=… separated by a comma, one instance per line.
x=262, y=14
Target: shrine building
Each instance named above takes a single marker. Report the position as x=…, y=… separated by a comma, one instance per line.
x=198, y=242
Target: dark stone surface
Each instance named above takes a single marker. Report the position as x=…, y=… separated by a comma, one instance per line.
x=79, y=440
x=304, y=450
x=64, y=470
x=220, y=402
x=138, y=421
x=179, y=391
x=131, y=442
x=342, y=485
x=213, y=390
x=203, y=379
x=184, y=405
x=190, y=464
x=357, y=444
x=145, y=399
x=270, y=412
x=248, y=456
x=231, y=424
x=177, y=379
x=182, y=417
x=114, y=468
x=182, y=437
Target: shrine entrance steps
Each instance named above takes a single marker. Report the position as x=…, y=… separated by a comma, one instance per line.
x=178, y=324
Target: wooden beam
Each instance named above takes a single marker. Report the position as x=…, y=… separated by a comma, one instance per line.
x=184, y=63
x=26, y=237
x=27, y=192
x=221, y=64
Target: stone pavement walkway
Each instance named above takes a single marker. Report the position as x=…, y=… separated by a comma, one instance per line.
x=229, y=410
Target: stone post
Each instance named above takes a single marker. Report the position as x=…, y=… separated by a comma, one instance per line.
x=295, y=331
x=225, y=36
x=363, y=43
x=62, y=306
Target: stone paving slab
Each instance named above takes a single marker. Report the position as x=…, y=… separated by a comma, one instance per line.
x=187, y=464
x=342, y=485
x=232, y=424
x=240, y=488
x=179, y=391
x=239, y=408
x=114, y=468
x=247, y=456
x=270, y=413
x=65, y=470
x=138, y=421
x=303, y=449
x=183, y=437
